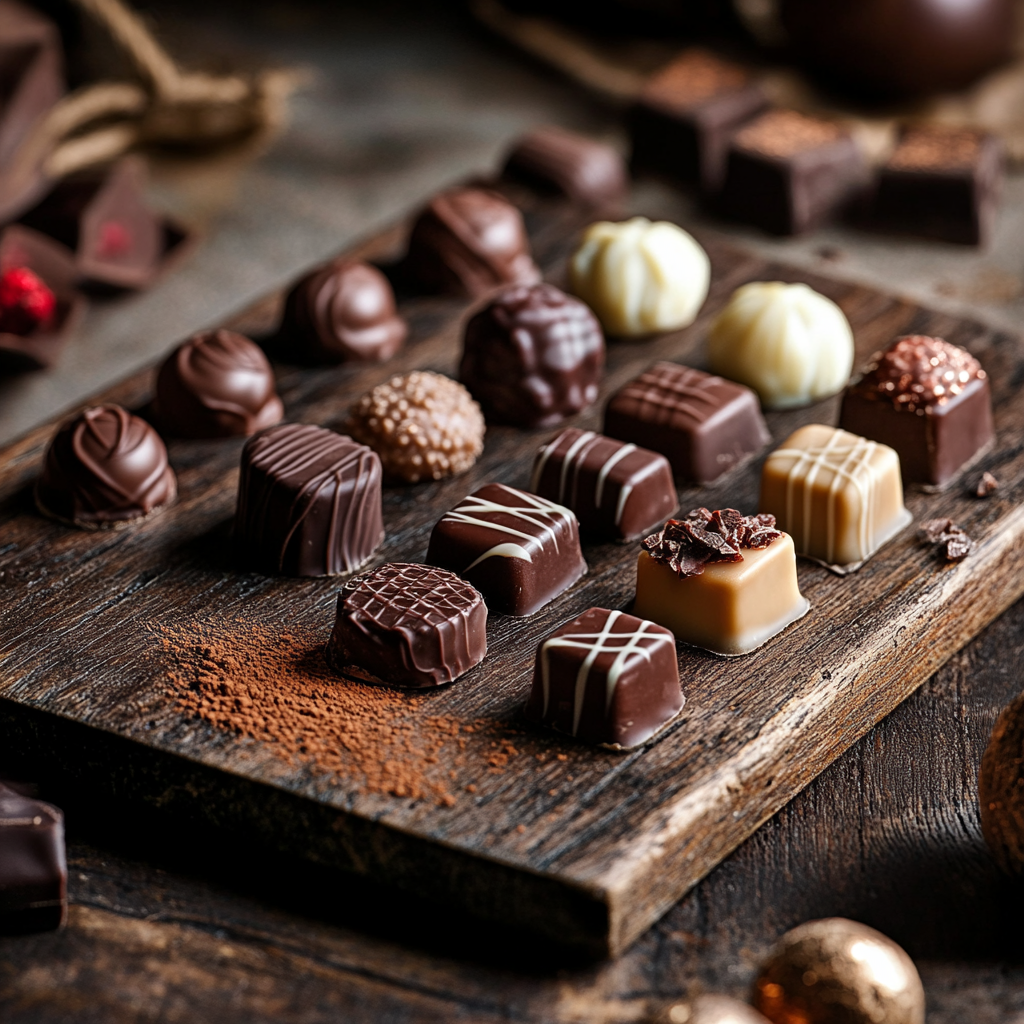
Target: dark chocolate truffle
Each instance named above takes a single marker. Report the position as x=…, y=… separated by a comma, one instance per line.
x=105, y=468
x=469, y=242
x=217, y=384
x=608, y=678
x=533, y=357
x=344, y=311
x=33, y=865
x=309, y=502
x=408, y=625
x=584, y=171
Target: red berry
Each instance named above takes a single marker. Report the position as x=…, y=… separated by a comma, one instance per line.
x=25, y=301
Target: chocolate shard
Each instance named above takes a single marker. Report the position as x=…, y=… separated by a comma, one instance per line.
x=216, y=384
x=342, y=312
x=986, y=486
x=682, y=122
x=105, y=468
x=468, y=242
x=927, y=399
x=519, y=550
x=617, y=491
x=533, y=356
x=608, y=678
x=33, y=865
x=408, y=625
x=309, y=502
x=702, y=424
x=950, y=540
x=556, y=160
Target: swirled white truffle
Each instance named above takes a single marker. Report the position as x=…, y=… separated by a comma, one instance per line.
x=640, y=277
x=790, y=344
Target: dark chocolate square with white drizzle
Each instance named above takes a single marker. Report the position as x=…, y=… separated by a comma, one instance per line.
x=617, y=491
x=519, y=550
x=702, y=424
x=606, y=677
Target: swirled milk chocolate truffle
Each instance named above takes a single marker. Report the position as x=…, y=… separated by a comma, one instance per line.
x=519, y=550
x=607, y=678
x=217, y=384
x=105, y=468
x=720, y=580
x=469, y=242
x=343, y=311
x=424, y=426
x=640, y=277
x=790, y=344
x=556, y=160
x=533, y=357
x=309, y=502
x=408, y=625
x=927, y=399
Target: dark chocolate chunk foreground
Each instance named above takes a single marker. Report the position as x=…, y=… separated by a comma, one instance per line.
x=606, y=677
x=468, y=242
x=105, y=468
x=342, y=312
x=309, y=502
x=787, y=173
x=533, y=356
x=216, y=384
x=616, y=490
x=941, y=183
x=927, y=399
x=408, y=625
x=681, y=124
x=556, y=160
x=33, y=865
x=702, y=424
x=519, y=550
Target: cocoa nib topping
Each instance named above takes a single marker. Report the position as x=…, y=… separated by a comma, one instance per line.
x=949, y=539
x=687, y=545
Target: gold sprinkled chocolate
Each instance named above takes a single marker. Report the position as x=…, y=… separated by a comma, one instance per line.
x=424, y=426
x=785, y=133
x=925, y=149
x=691, y=79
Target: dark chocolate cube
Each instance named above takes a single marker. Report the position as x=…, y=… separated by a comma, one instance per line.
x=606, y=677
x=941, y=183
x=702, y=424
x=682, y=122
x=519, y=550
x=309, y=502
x=33, y=865
x=616, y=490
x=787, y=173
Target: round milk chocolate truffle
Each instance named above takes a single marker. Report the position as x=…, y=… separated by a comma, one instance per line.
x=105, y=468
x=469, y=242
x=217, y=384
x=424, y=426
x=533, y=356
x=344, y=311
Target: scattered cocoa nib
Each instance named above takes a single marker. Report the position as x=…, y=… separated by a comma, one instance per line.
x=987, y=485
x=950, y=540
x=687, y=545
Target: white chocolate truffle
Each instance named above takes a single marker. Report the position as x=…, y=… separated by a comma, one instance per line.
x=790, y=344
x=640, y=277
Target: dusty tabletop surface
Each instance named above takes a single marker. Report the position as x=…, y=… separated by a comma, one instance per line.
x=400, y=99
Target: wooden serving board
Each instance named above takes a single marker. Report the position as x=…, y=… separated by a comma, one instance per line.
x=452, y=795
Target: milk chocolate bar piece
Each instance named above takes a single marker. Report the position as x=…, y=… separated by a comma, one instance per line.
x=519, y=550
x=837, y=494
x=616, y=490
x=608, y=678
x=927, y=399
x=686, y=113
x=786, y=173
x=408, y=625
x=941, y=183
x=33, y=865
x=703, y=424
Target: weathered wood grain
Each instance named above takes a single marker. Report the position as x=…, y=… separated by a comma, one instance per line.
x=580, y=845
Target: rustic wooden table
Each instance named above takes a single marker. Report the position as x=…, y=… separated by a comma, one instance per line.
x=402, y=100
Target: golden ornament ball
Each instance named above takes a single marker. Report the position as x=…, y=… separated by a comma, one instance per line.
x=836, y=971
x=1001, y=790
x=709, y=1010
